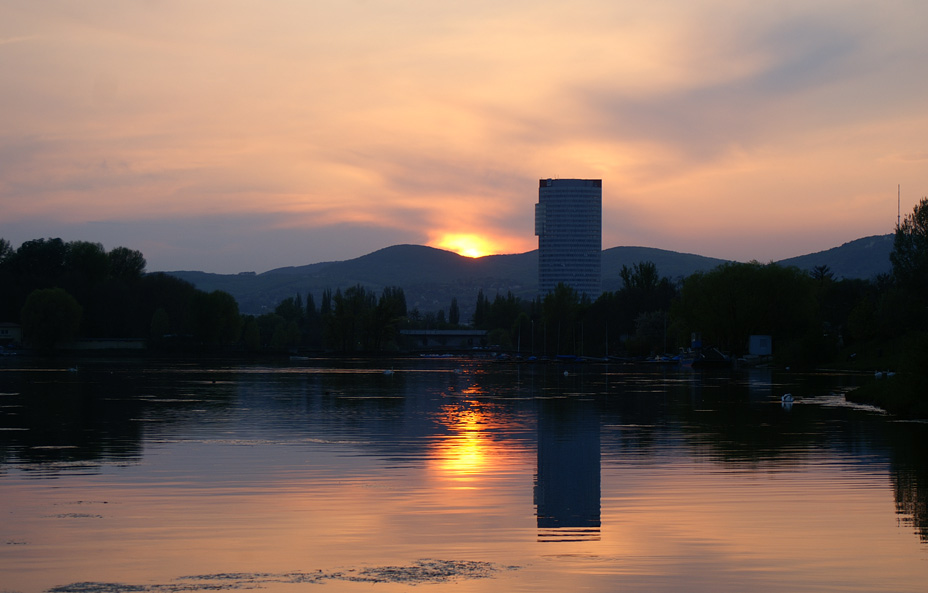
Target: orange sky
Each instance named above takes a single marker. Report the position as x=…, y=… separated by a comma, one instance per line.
x=237, y=135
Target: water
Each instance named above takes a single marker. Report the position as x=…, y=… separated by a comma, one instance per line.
x=451, y=475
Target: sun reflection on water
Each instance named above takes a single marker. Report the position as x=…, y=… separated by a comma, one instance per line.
x=468, y=450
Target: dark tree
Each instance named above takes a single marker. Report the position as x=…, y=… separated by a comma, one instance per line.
x=290, y=309
x=616, y=318
x=168, y=293
x=50, y=316
x=561, y=311
x=86, y=260
x=736, y=300
x=251, y=334
x=40, y=263
x=313, y=332
x=325, y=308
x=388, y=315
x=310, y=305
x=641, y=276
x=216, y=319
x=909, y=256
x=821, y=274
x=6, y=250
x=454, y=313
x=125, y=264
x=351, y=327
x=481, y=311
x=503, y=312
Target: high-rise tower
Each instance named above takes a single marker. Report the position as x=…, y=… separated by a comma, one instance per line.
x=569, y=225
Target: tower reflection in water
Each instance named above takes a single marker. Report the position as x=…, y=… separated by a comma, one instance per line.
x=567, y=484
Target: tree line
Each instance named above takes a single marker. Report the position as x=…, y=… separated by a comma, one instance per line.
x=60, y=290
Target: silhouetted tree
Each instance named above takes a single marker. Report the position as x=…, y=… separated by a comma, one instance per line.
x=650, y=333
x=125, y=264
x=251, y=334
x=168, y=293
x=909, y=255
x=736, y=300
x=39, y=263
x=614, y=321
x=503, y=312
x=454, y=313
x=291, y=309
x=6, y=250
x=269, y=325
x=50, y=316
x=160, y=326
x=389, y=314
x=561, y=311
x=350, y=327
x=313, y=333
x=325, y=308
x=641, y=276
x=821, y=274
x=216, y=318
x=481, y=311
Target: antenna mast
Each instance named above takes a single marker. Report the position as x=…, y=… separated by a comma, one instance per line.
x=898, y=205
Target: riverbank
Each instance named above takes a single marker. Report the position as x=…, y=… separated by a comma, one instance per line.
x=900, y=375
x=904, y=395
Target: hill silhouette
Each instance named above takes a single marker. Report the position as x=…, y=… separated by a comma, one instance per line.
x=430, y=277
x=862, y=258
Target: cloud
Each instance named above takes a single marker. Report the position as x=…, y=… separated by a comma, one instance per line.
x=714, y=125
x=20, y=39
x=773, y=94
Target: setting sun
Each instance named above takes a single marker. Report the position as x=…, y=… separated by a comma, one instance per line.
x=466, y=245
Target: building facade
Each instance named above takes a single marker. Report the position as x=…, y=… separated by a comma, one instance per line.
x=569, y=225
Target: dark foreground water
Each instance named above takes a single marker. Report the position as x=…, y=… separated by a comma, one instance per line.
x=451, y=475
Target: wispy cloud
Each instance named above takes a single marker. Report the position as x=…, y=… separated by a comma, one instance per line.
x=20, y=39
x=737, y=130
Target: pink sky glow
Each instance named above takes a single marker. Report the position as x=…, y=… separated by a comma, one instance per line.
x=240, y=135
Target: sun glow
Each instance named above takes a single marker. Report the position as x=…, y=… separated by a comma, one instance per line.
x=466, y=245
x=466, y=453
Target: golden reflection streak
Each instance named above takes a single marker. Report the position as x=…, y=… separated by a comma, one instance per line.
x=468, y=452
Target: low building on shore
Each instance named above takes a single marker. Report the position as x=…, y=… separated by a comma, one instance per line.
x=447, y=339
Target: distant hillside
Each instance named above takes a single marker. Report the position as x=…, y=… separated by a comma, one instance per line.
x=672, y=264
x=431, y=277
x=864, y=258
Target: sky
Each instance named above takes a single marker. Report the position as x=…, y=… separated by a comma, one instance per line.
x=232, y=135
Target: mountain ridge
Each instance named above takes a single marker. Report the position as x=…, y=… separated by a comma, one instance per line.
x=430, y=277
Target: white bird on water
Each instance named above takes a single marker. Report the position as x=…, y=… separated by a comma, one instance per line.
x=787, y=398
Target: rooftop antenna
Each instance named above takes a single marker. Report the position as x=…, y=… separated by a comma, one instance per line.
x=898, y=205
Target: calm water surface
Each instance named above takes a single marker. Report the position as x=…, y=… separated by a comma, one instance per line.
x=451, y=475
